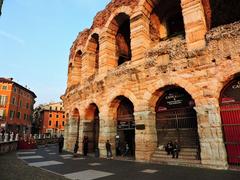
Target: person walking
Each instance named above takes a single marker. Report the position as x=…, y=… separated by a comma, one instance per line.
x=85, y=145
x=60, y=143
x=76, y=147
x=126, y=149
x=109, y=150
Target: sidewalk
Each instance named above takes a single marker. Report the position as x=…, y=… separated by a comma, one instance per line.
x=12, y=168
x=29, y=165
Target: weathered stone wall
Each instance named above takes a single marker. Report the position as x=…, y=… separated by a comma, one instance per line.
x=201, y=66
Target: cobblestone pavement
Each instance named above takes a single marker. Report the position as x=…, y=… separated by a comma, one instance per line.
x=43, y=161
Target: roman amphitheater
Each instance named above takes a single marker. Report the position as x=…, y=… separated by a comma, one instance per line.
x=151, y=71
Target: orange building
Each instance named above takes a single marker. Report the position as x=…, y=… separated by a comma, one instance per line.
x=52, y=118
x=16, y=106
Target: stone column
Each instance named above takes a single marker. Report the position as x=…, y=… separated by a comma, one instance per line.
x=195, y=24
x=107, y=53
x=76, y=72
x=66, y=135
x=107, y=131
x=139, y=36
x=213, y=152
x=145, y=139
x=72, y=136
x=85, y=130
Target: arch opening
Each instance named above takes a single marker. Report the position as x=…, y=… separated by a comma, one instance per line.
x=176, y=119
x=92, y=127
x=125, y=126
x=230, y=116
x=122, y=38
x=93, y=50
x=224, y=12
x=166, y=20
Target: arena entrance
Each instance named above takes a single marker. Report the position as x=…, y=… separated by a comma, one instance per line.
x=176, y=119
x=125, y=138
x=230, y=115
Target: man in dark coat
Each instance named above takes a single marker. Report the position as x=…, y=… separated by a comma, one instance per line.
x=85, y=145
x=109, y=150
x=60, y=143
x=169, y=147
x=176, y=149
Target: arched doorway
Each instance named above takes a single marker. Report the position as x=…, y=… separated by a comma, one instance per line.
x=125, y=128
x=92, y=126
x=176, y=119
x=230, y=115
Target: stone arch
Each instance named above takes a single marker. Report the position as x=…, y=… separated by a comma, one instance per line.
x=152, y=95
x=118, y=30
x=76, y=67
x=120, y=92
x=166, y=19
x=109, y=26
x=123, y=125
x=92, y=126
x=229, y=102
x=176, y=118
x=226, y=78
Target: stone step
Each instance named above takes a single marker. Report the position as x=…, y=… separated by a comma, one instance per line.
x=173, y=161
x=183, y=153
x=157, y=156
x=182, y=150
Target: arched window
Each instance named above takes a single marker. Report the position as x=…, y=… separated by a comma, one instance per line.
x=223, y=11
x=93, y=49
x=166, y=20
x=122, y=37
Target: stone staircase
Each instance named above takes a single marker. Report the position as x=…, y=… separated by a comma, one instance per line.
x=187, y=157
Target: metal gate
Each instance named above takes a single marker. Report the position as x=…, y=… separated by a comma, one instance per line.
x=180, y=124
x=230, y=115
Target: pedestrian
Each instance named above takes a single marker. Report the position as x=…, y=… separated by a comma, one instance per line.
x=118, y=147
x=109, y=150
x=60, y=143
x=176, y=149
x=169, y=147
x=85, y=145
x=126, y=149
x=76, y=147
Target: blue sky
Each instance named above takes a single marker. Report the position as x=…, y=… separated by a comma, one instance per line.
x=35, y=38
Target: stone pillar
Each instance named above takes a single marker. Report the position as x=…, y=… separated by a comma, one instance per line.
x=195, y=24
x=107, y=131
x=213, y=152
x=87, y=66
x=145, y=139
x=72, y=136
x=66, y=135
x=107, y=53
x=76, y=72
x=139, y=35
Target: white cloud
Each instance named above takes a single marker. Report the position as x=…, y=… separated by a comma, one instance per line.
x=12, y=37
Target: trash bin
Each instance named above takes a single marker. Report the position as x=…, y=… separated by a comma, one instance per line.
x=97, y=152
